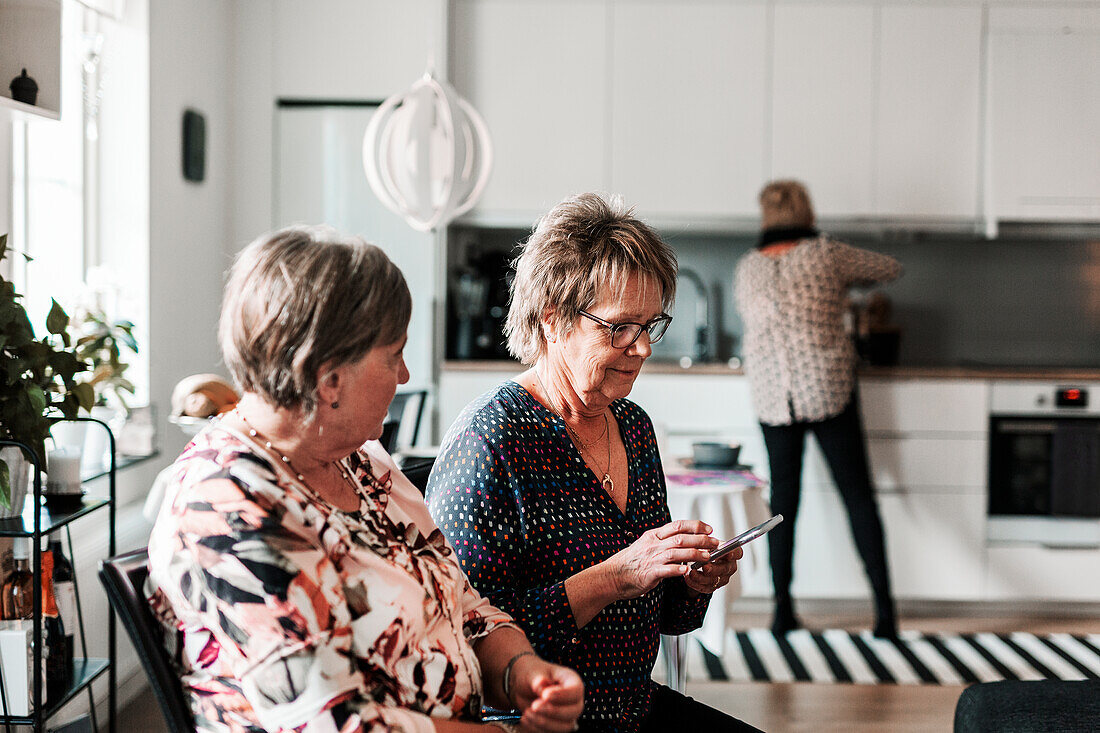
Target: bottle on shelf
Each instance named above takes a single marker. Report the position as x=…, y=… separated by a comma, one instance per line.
x=59, y=657
x=64, y=589
x=16, y=595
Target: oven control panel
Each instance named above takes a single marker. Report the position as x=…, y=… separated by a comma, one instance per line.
x=1044, y=398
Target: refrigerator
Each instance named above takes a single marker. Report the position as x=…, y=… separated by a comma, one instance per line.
x=319, y=179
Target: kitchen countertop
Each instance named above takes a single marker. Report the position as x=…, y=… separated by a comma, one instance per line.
x=1078, y=374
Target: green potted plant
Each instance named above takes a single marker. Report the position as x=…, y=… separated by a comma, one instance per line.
x=101, y=342
x=37, y=384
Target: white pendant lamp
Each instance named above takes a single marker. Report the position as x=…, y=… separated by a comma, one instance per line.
x=427, y=154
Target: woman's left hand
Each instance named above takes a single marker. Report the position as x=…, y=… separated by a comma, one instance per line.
x=713, y=575
x=549, y=697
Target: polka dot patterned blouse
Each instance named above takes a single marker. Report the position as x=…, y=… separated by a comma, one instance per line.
x=514, y=497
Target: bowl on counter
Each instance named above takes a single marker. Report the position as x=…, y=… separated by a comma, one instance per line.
x=715, y=455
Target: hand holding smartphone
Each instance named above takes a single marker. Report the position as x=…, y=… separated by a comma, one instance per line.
x=744, y=538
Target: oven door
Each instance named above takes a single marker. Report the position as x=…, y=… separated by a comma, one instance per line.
x=1044, y=467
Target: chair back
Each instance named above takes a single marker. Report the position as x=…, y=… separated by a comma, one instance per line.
x=405, y=413
x=123, y=577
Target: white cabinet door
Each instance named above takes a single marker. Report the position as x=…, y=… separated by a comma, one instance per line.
x=927, y=126
x=688, y=107
x=537, y=73
x=350, y=49
x=823, y=103
x=1042, y=573
x=1045, y=112
x=902, y=406
x=935, y=544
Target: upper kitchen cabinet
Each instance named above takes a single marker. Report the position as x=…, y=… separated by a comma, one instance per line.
x=363, y=49
x=1045, y=113
x=537, y=73
x=30, y=38
x=689, y=99
x=823, y=96
x=927, y=125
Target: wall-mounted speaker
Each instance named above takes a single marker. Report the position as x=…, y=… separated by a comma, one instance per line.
x=194, y=145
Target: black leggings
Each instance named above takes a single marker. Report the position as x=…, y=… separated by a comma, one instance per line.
x=841, y=440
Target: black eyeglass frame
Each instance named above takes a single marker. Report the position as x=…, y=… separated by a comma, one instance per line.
x=646, y=327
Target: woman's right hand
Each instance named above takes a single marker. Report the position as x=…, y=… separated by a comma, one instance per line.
x=664, y=552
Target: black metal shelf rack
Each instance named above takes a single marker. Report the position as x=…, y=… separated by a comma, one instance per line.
x=38, y=520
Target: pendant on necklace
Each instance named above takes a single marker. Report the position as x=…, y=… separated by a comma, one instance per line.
x=608, y=484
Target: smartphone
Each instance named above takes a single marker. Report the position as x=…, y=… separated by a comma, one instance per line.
x=742, y=539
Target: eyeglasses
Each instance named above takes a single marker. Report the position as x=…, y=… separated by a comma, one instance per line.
x=625, y=334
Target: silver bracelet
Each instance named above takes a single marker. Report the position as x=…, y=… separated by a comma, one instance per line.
x=506, y=676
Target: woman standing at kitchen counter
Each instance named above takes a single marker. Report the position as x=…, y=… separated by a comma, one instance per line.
x=550, y=486
x=792, y=292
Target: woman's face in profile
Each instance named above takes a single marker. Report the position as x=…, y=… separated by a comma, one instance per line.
x=599, y=372
x=368, y=387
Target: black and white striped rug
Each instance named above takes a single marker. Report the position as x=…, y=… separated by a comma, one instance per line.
x=835, y=655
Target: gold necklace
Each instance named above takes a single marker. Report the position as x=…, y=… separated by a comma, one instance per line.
x=606, y=483
x=260, y=438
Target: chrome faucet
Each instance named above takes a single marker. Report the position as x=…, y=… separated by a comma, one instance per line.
x=700, y=351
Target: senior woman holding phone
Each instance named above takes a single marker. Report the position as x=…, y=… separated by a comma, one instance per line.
x=550, y=486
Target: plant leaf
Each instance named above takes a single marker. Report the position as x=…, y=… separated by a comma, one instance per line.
x=58, y=320
x=85, y=395
x=5, y=474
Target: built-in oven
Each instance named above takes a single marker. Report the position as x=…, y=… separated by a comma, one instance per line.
x=1044, y=463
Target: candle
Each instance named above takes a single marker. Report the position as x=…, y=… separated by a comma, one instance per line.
x=63, y=470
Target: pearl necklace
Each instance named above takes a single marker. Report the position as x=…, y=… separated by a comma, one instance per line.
x=606, y=483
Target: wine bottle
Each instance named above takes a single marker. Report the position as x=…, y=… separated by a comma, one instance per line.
x=17, y=593
x=64, y=589
x=58, y=657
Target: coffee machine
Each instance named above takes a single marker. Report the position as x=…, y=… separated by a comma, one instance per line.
x=478, y=307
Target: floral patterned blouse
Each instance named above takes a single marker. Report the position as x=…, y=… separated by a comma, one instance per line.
x=292, y=615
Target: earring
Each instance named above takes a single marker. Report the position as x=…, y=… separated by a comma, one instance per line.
x=335, y=404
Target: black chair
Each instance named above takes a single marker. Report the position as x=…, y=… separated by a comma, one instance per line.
x=417, y=470
x=405, y=409
x=1015, y=706
x=124, y=577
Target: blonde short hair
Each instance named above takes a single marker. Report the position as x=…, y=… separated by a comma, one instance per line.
x=302, y=298
x=583, y=244
x=785, y=203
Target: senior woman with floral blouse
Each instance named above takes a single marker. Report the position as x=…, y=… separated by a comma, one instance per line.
x=550, y=486
x=298, y=568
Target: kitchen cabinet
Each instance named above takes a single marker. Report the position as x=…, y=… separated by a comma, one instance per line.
x=537, y=73
x=1044, y=112
x=1018, y=571
x=365, y=49
x=688, y=92
x=823, y=96
x=926, y=133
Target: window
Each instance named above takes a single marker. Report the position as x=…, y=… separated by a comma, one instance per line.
x=80, y=185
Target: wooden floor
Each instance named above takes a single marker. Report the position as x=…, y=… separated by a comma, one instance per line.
x=806, y=707
x=846, y=708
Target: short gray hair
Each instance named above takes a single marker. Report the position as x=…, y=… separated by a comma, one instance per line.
x=583, y=244
x=303, y=297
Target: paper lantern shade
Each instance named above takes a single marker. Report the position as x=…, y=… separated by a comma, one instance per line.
x=427, y=154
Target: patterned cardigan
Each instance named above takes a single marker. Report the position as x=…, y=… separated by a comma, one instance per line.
x=798, y=357
x=291, y=615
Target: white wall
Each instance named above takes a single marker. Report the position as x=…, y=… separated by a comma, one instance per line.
x=190, y=67
x=326, y=49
